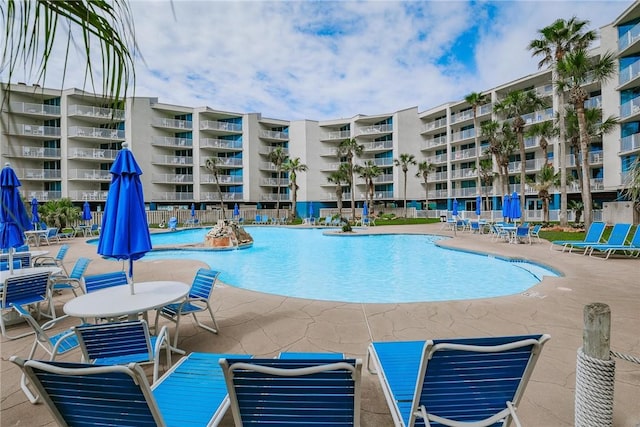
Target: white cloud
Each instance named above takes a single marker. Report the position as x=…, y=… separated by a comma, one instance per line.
x=324, y=60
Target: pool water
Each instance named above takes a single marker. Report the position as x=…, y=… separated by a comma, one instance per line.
x=392, y=268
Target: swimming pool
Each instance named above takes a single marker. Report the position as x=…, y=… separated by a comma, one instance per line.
x=392, y=268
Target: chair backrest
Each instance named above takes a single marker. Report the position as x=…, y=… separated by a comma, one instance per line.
x=619, y=234
x=105, y=280
x=472, y=379
x=41, y=334
x=4, y=264
x=203, y=283
x=79, y=268
x=76, y=393
x=52, y=231
x=62, y=252
x=536, y=229
x=294, y=391
x=113, y=340
x=173, y=222
x=23, y=257
x=25, y=289
x=522, y=231
x=23, y=248
x=43, y=225
x=635, y=240
x=595, y=232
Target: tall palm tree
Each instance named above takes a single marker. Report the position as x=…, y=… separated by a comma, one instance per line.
x=31, y=35
x=632, y=184
x=516, y=104
x=368, y=172
x=213, y=164
x=545, y=179
x=555, y=41
x=293, y=166
x=486, y=175
x=574, y=70
x=404, y=161
x=424, y=169
x=502, y=144
x=545, y=131
x=278, y=156
x=349, y=149
x=476, y=99
x=339, y=177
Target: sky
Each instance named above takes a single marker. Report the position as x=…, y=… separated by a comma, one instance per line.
x=323, y=60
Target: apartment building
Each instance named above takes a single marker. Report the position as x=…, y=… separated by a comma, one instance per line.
x=62, y=143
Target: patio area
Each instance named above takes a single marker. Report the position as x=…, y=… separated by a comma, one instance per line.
x=264, y=325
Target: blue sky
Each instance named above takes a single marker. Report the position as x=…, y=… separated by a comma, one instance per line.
x=327, y=60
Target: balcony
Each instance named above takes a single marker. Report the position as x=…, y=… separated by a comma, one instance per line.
x=94, y=195
x=221, y=126
x=92, y=154
x=227, y=162
x=44, y=196
x=434, y=142
x=172, y=160
x=333, y=152
x=469, y=153
x=630, y=143
x=372, y=130
x=379, y=146
x=595, y=158
x=438, y=158
x=221, y=144
x=630, y=109
x=39, y=174
x=383, y=179
x=172, y=178
x=265, y=151
x=538, y=116
x=464, y=115
x=34, y=109
x=213, y=196
x=464, y=134
x=208, y=178
x=465, y=173
x=546, y=90
x=89, y=175
x=171, y=142
x=439, y=176
x=336, y=135
x=435, y=124
x=102, y=114
x=40, y=153
x=629, y=38
x=41, y=132
x=274, y=182
x=595, y=102
x=172, y=124
x=387, y=161
x=93, y=133
x=171, y=196
x=274, y=135
x=628, y=74
x=381, y=195
x=274, y=197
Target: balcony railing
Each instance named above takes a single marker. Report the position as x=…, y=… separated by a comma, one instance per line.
x=220, y=143
x=169, y=141
x=538, y=116
x=435, y=124
x=208, y=178
x=630, y=108
x=43, y=131
x=270, y=134
x=38, y=109
x=275, y=197
x=629, y=73
x=595, y=157
x=463, y=173
x=40, y=152
x=630, y=142
x=213, y=196
x=224, y=126
x=438, y=158
x=172, y=160
x=440, y=176
x=171, y=178
x=268, y=150
x=469, y=153
x=40, y=174
x=378, y=145
x=89, y=174
x=368, y=130
x=99, y=133
x=434, y=142
x=464, y=134
x=387, y=161
x=96, y=112
x=226, y=161
x=96, y=154
x=628, y=38
x=384, y=178
x=595, y=102
x=273, y=182
x=464, y=115
x=172, y=123
x=339, y=134
x=43, y=196
x=88, y=195
x=171, y=196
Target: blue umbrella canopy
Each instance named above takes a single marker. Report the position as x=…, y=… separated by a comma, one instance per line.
x=514, y=207
x=310, y=209
x=478, y=205
x=454, y=210
x=505, y=206
x=193, y=210
x=35, y=216
x=14, y=219
x=236, y=210
x=125, y=232
x=86, y=212
x=365, y=209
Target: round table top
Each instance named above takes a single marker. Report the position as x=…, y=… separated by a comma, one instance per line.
x=26, y=271
x=32, y=253
x=118, y=301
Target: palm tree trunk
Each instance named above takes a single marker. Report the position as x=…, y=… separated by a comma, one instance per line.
x=405, y=194
x=584, y=154
x=562, y=154
x=278, y=190
x=523, y=168
x=220, y=196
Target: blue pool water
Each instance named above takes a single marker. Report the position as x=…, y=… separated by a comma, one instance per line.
x=305, y=263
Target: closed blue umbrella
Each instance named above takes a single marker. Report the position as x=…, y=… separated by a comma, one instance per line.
x=35, y=216
x=454, y=211
x=193, y=210
x=311, y=210
x=125, y=232
x=505, y=206
x=478, y=205
x=514, y=207
x=86, y=212
x=14, y=219
x=236, y=210
x=365, y=210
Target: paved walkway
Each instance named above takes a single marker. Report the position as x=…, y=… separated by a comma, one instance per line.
x=264, y=325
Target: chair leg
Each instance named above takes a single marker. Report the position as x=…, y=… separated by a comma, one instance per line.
x=3, y=330
x=203, y=326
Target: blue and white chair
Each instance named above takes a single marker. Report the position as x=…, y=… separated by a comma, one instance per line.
x=96, y=282
x=593, y=235
x=120, y=343
x=456, y=382
x=72, y=281
x=55, y=261
x=294, y=391
x=196, y=301
x=23, y=290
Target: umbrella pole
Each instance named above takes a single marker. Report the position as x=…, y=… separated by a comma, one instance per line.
x=10, y=260
x=130, y=278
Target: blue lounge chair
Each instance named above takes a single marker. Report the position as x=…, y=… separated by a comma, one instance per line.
x=191, y=394
x=522, y=234
x=172, y=224
x=633, y=248
x=535, y=231
x=618, y=236
x=23, y=290
x=455, y=381
x=294, y=391
x=594, y=234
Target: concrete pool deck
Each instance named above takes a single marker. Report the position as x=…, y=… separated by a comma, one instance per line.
x=264, y=325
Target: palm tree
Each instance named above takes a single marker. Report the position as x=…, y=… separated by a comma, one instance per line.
x=404, y=161
x=632, y=184
x=545, y=179
x=502, y=144
x=545, y=131
x=31, y=29
x=368, y=172
x=424, y=169
x=515, y=105
x=555, y=41
x=486, y=175
x=293, y=166
x=278, y=156
x=59, y=213
x=574, y=70
x=349, y=148
x=476, y=99
x=213, y=164
x=339, y=177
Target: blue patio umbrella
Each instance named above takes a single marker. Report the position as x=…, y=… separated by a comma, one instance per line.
x=454, y=210
x=35, y=216
x=193, y=210
x=505, y=206
x=125, y=232
x=514, y=207
x=310, y=209
x=236, y=210
x=478, y=205
x=14, y=219
x=365, y=210
x=86, y=212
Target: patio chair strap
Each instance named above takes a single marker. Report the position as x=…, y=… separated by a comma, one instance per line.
x=594, y=391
